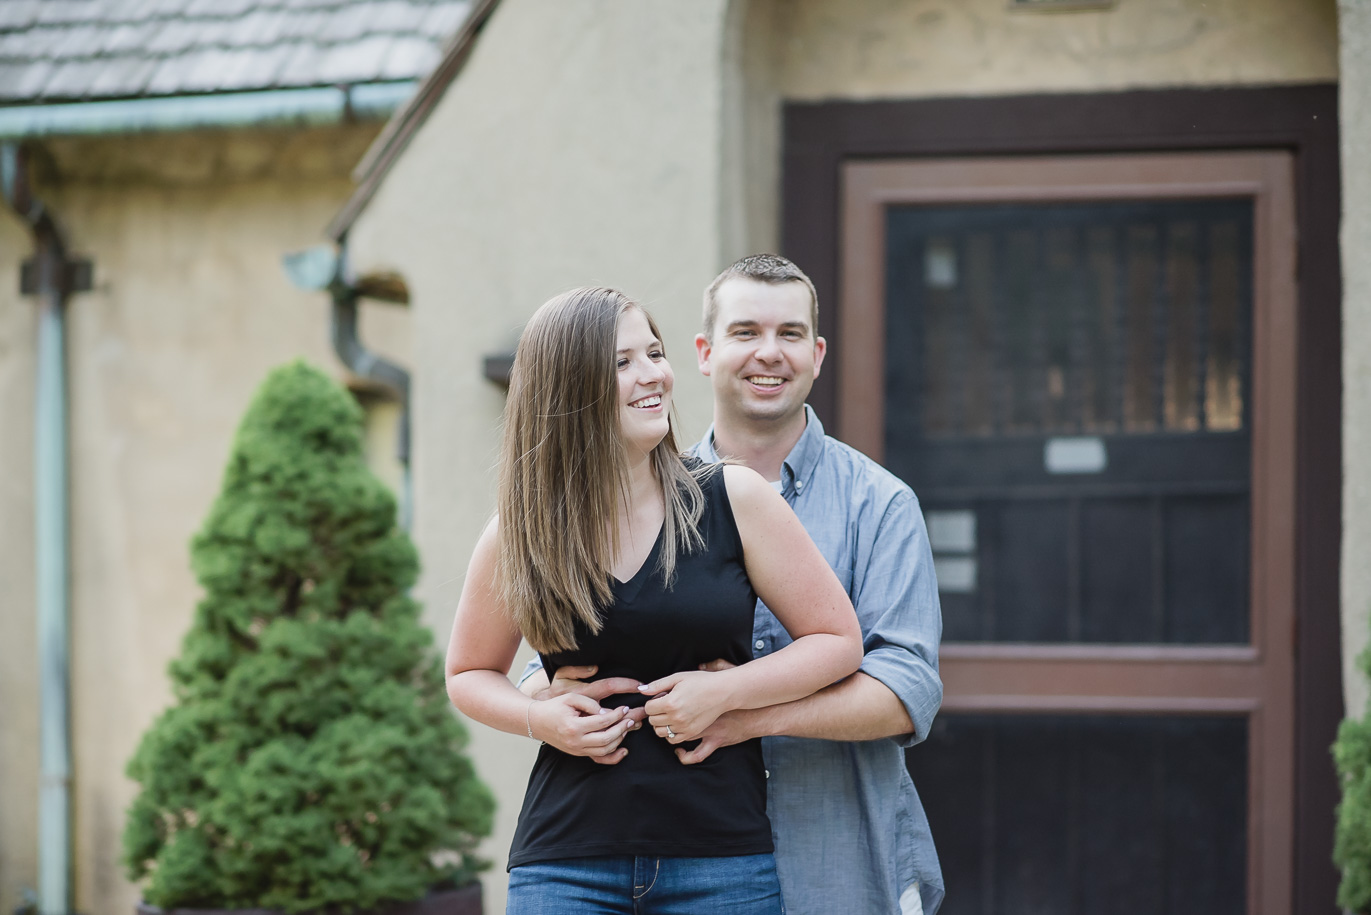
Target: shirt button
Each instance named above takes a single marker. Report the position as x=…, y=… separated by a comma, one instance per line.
x=768, y=772
x=759, y=644
x=799, y=484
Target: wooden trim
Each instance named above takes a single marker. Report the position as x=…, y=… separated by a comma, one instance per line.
x=1120, y=654
x=820, y=137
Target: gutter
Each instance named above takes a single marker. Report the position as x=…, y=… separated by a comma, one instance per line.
x=324, y=268
x=275, y=107
x=52, y=276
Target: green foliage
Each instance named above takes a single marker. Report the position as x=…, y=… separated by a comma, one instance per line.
x=1352, y=847
x=311, y=760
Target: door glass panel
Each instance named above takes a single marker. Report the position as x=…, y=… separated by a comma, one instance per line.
x=1070, y=383
x=1084, y=814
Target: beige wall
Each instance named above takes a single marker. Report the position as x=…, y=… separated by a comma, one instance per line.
x=815, y=50
x=1355, y=125
x=18, y=649
x=189, y=311
x=637, y=143
x=890, y=48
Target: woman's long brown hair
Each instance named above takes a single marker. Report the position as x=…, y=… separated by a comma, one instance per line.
x=564, y=472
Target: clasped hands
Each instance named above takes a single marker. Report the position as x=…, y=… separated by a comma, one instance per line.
x=689, y=705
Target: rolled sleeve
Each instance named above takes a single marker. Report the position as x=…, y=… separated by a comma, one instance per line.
x=531, y=668
x=897, y=602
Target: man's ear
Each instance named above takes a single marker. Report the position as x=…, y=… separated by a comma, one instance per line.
x=820, y=347
x=702, y=351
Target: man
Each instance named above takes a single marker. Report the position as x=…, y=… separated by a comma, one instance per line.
x=850, y=833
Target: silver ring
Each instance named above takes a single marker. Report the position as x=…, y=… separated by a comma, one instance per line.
x=671, y=735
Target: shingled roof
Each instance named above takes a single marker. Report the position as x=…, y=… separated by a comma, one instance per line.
x=80, y=50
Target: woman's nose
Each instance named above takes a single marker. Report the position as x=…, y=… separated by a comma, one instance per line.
x=651, y=373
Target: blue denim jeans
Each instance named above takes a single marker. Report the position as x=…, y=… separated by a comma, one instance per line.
x=623, y=885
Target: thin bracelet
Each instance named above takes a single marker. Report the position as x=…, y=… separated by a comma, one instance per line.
x=528, y=725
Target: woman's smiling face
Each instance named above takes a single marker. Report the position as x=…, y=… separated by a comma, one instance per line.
x=645, y=382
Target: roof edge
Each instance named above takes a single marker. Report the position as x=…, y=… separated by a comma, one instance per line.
x=395, y=136
x=304, y=107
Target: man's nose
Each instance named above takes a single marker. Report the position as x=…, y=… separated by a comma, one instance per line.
x=768, y=348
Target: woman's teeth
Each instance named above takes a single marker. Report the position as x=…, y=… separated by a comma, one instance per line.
x=646, y=402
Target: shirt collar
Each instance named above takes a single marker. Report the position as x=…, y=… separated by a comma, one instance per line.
x=798, y=465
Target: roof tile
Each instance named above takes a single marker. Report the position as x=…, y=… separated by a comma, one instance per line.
x=356, y=62
x=73, y=11
x=129, y=48
x=71, y=79
x=301, y=65
x=123, y=77
x=443, y=19
x=348, y=25
x=18, y=14
x=409, y=58
x=128, y=39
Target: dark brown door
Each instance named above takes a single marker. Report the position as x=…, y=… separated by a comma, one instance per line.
x=1085, y=368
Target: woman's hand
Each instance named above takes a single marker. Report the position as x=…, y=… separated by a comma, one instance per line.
x=578, y=726
x=684, y=704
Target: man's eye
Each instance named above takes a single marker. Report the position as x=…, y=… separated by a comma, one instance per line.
x=743, y=333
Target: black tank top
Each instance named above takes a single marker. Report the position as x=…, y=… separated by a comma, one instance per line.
x=649, y=804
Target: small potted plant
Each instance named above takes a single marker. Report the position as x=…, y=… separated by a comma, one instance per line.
x=1352, y=847
x=311, y=761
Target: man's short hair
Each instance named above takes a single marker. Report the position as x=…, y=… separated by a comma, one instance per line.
x=764, y=268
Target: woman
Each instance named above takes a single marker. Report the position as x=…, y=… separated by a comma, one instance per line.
x=610, y=550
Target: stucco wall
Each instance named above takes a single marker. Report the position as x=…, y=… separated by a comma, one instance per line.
x=18, y=650
x=189, y=311
x=1355, y=123
x=889, y=48
x=811, y=50
x=580, y=146
x=637, y=143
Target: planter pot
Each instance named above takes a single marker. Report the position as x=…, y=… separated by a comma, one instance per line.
x=464, y=900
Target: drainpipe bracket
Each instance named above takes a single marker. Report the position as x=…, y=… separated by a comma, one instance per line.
x=78, y=274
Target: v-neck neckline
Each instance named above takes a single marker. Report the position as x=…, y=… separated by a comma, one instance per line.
x=636, y=578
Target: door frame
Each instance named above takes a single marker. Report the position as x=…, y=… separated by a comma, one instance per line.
x=820, y=138
x=1255, y=680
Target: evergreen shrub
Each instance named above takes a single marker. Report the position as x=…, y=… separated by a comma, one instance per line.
x=1352, y=847
x=311, y=760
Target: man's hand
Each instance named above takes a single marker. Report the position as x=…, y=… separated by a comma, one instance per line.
x=728, y=729
x=576, y=679
x=683, y=705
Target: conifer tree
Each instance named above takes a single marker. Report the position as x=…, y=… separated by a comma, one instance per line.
x=1352, y=845
x=311, y=759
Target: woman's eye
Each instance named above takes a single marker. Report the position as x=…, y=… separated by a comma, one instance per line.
x=622, y=363
x=657, y=354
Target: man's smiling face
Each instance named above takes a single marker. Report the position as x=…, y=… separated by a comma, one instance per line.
x=764, y=355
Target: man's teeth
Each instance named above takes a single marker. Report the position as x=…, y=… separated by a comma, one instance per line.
x=646, y=402
x=766, y=381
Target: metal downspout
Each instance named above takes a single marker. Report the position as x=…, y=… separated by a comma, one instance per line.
x=52, y=274
x=324, y=268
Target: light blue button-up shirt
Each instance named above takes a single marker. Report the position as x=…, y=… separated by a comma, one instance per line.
x=850, y=832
